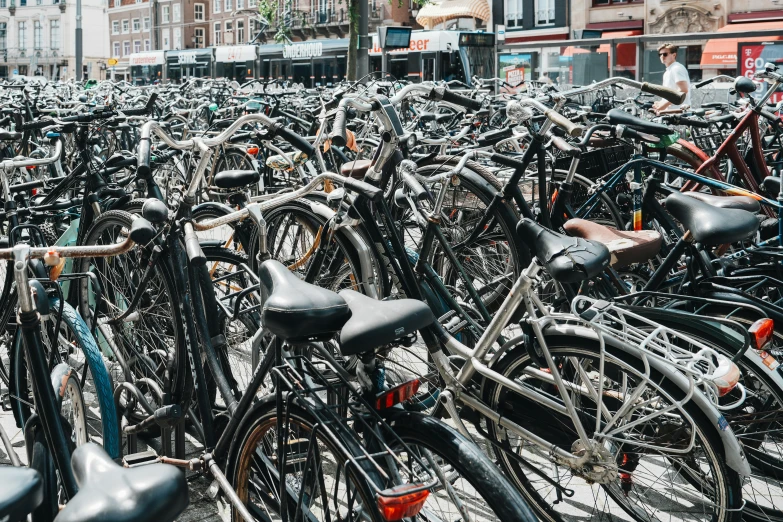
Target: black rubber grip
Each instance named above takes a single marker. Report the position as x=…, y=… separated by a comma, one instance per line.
x=296, y=140
x=338, y=134
x=507, y=161
x=37, y=124
x=702, y=83
x=566, y=147
x=143, y=156
x=692, y=122
x=672, y=95
x=419, y=192
x=726, y=118
x=193, y=249
x=365, y=189
x=770, y=116
x=458, y=99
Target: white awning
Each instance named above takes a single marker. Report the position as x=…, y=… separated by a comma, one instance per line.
x=148, y=58
x=235, y=53
x=441, y=11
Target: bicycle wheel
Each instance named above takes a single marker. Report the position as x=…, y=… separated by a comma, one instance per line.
x=151, y=335
x=336, y=493
x=474, y=489
x=664, y=478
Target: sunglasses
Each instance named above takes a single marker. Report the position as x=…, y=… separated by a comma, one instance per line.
x=663, y=54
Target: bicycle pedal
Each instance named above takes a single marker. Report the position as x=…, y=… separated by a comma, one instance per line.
x=140, y=459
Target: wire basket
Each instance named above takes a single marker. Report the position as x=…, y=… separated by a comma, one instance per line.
x=598, y=162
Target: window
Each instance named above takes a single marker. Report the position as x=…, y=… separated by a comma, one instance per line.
x=37, y=35
x=3, y=36
x=125, y=27
x=116, y=52
x=216, y=39
x=240, y=39
x=252, y=3
x=146, y=23
x=126, y=48
x=229, y=26
x=240, y=4
x=165, y=14
x=229, y=5
x=177, y=38
x=198, y=13
x=54, y=34
x=22, y=3
x=136, y=46
x=198, y=32
x=117, y=3
x=38, y=2
x=217, y=6
x=115, y=27
x=601, y=3
x=22, y=35
x=136, y=25
x=514, y=13
x=164, y=35
x=545, y=12
x=176, y=13
x=147, y=46
x=3, y=3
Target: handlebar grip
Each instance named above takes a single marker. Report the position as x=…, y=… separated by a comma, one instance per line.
x=419, y=192
x=564, y=123
x=143, y=155
x=672, y=95
x=507, y=161
x=338, y=135
x=692, y=122
x=365, y=189
x=725, y=118
x=296, y=140
x=192, y=246
x=463, y=101
x=771, y=117
x=38, y=124
x=565, y=147
x=702, y=83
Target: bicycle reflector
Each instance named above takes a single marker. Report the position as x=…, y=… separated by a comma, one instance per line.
x=394, y=504
x=252, y=151
x=761, y=332
x=400, y=393
x=726, y=376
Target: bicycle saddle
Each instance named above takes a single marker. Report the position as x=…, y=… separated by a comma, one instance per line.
x=567, y=259
x=771, y=186
x=230, y=179
x=355, y=169
x=377, y=323
x=620, y=117
x=295, y=310
x=711, y=225
x=110, y=493
x=21, y=493
x=627, y=247
x=10, y=136
x=740, y=202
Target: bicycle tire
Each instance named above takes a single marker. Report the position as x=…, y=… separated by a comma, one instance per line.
x=729, y=496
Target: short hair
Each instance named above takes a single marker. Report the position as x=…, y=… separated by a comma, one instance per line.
x=671, y=47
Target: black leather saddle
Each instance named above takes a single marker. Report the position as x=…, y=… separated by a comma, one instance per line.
x=231, y=179
x=10, y=136
x=620, y=117
x=21, y=492
x=740, y=202
x=110, y=493
x=567, y=259
x=376, y=323
x=296, y=311
x=711, y=225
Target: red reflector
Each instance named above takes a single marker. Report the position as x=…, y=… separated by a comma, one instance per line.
x=30, y=168
x=401, y=505
x=396, y=395
x=252, y=151
x=34, y=192
x=761, y=332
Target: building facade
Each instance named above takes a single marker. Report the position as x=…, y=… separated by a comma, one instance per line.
x=37, y=38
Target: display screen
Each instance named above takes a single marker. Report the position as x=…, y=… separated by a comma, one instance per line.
x=398, y=37
x=477, y=39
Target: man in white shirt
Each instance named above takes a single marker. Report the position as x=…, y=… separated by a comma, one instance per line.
x=675, y=77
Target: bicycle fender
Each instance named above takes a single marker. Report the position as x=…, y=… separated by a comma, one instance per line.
x=59, y=377
x=691, y=147
x=735, y=456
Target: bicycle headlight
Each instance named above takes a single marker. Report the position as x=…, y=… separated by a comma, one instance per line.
x=411, y=140
x=518, y=113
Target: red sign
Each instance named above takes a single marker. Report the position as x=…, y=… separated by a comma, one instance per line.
x=753, y=57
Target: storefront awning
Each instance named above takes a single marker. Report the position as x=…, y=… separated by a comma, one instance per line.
x=235, y=53
x=441, y=11
x=148, y=58
x=721, y=53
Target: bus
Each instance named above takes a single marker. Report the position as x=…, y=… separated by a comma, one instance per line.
x=432, y=55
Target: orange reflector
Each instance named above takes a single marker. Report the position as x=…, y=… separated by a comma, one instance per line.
x=30, y=168
x=252, y=151
x=761, y=332
x=401, y=505
x=396, y=395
